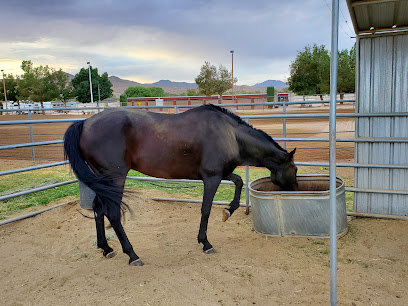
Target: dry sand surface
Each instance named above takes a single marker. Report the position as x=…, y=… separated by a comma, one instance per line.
x=51, y=259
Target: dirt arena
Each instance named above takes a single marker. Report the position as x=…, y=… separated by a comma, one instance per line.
x=51, y=259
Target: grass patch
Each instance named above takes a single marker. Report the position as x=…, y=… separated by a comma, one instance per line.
x=190, y=190
x=27, y=180
x=349, y=201
x=319, y=243
x=19, y=181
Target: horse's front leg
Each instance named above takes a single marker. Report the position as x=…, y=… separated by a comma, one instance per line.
x=237, y=196
x=210, y=188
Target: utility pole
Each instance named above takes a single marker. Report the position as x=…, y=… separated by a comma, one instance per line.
x=99, y=97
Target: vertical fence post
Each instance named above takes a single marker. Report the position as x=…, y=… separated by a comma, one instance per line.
x=332, y=151
x=31, y=135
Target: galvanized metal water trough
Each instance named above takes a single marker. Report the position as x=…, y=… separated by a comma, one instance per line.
x=305, y=212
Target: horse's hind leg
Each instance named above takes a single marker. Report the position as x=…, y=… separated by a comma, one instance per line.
x=113, y=216
x=102, y=243
x=236, y=179
x=113, y=213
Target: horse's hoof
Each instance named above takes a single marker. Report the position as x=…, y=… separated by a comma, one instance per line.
x=111, y=254
x=137, y=263
x=210, y=251
x=225, y=215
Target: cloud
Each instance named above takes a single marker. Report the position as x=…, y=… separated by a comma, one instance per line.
x=152, y=40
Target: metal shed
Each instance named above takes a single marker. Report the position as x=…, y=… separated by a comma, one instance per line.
x=381, y=180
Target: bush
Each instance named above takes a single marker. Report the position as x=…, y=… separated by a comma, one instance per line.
x=191, y=92
x=156, y=92
x=138, y=91
x=123, y=98
x=270, y=93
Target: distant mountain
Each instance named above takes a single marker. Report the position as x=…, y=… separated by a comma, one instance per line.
x=120, y=85
x=70, y=76
x=273, y=83
x=168, y=83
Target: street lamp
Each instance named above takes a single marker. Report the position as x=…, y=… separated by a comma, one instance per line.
x=90, y=81
x=4, y=85
x=232, y=72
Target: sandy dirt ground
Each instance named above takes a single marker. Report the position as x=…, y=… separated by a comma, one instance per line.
x=51, y=259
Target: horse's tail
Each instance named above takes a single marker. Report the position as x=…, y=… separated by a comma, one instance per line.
x=107, y=192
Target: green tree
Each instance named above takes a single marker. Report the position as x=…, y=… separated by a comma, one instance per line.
x=212, y=81
x=310, y=71
x=65, y=89
x=80, y=84
x=37, y=83
x=11, y=88
x=322, y=57
x=346, y=75
x=105, y=86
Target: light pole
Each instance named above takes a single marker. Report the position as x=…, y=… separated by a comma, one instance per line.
x=4, y=85
x=232, y=72
x=90, y=81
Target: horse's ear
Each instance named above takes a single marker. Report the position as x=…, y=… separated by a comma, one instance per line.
x=292, y=153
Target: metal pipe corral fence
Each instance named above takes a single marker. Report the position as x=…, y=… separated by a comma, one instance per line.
x=246, y=118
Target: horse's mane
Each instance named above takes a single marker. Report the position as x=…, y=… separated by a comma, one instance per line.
x=240, y=121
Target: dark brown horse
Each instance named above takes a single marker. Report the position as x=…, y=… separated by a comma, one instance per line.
x=205, y=143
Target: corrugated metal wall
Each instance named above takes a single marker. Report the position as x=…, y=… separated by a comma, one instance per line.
x=382, y=87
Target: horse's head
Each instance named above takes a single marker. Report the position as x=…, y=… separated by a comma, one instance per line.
x=284, y=174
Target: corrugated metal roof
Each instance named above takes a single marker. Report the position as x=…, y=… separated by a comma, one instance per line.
x=378, y=15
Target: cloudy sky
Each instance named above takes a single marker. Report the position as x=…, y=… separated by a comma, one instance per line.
x=150, y=40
